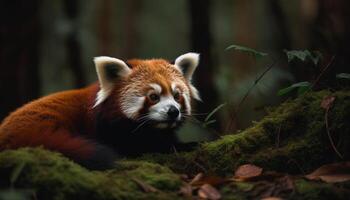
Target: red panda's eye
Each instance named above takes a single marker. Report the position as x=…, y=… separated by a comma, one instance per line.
x=177, y=96
x=154, y=97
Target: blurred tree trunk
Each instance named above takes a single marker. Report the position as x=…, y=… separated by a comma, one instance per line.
x=283, y=40
x=19, y=38
x=73, y=46
x=201, y=43
x=104, y=28
x=333, y=16
x=130, y=20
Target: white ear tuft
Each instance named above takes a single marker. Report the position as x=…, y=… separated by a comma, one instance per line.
x=187, y=63
x=108, y=71
x=195, y=93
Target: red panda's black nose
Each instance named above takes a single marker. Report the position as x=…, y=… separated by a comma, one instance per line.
x=173, y=112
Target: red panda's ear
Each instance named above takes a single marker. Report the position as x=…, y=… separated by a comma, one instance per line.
x=108, y=71
x=187, y=63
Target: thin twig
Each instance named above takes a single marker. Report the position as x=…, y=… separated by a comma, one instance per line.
x=329, y=134
x=322, y=72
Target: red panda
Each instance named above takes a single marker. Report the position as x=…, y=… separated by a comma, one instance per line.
x=134, y=108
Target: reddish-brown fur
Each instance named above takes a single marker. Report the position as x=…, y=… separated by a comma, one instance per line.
x=53, y=122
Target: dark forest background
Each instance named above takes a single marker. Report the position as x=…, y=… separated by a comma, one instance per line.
x=48, y=46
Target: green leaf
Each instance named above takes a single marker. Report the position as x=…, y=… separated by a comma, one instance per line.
x=252, y=52
x=343, y=76
x=214, y=111
x=301, y=86
x=293, y=54
x=303, y=55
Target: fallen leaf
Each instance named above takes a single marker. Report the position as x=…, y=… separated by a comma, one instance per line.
x=327, y=102
x=196, y=178
x=186, y=190
x=331, y=173
x=207, y=191
x=144, y=186
x=248, y=171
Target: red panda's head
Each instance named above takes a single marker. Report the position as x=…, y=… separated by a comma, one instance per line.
x=149, y=91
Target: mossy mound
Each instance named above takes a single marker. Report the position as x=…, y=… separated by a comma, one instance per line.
x=291, y=138
x=35, y=173
x=49, y=175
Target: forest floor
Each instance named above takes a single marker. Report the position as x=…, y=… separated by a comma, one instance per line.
x=300, y=150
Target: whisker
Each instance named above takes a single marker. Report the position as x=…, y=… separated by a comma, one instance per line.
x=139, y=126
x=141, y=118
x=145, y=116
x=199, y=114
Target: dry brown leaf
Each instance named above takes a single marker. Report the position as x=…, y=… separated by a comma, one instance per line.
x=248, y=171
x=144, y=186
x=327, y=102
x=207, y=191
x=335, y=178
x=198, y=177
x=186, y=190
x=331, y=173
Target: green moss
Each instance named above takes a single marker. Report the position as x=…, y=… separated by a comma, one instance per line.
x=153, y=174
x=52, y=176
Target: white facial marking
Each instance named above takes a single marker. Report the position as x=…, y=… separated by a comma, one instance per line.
x=132, y=105
x=156, y=87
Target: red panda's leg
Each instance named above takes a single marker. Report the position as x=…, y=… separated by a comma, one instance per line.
x=86, y=152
